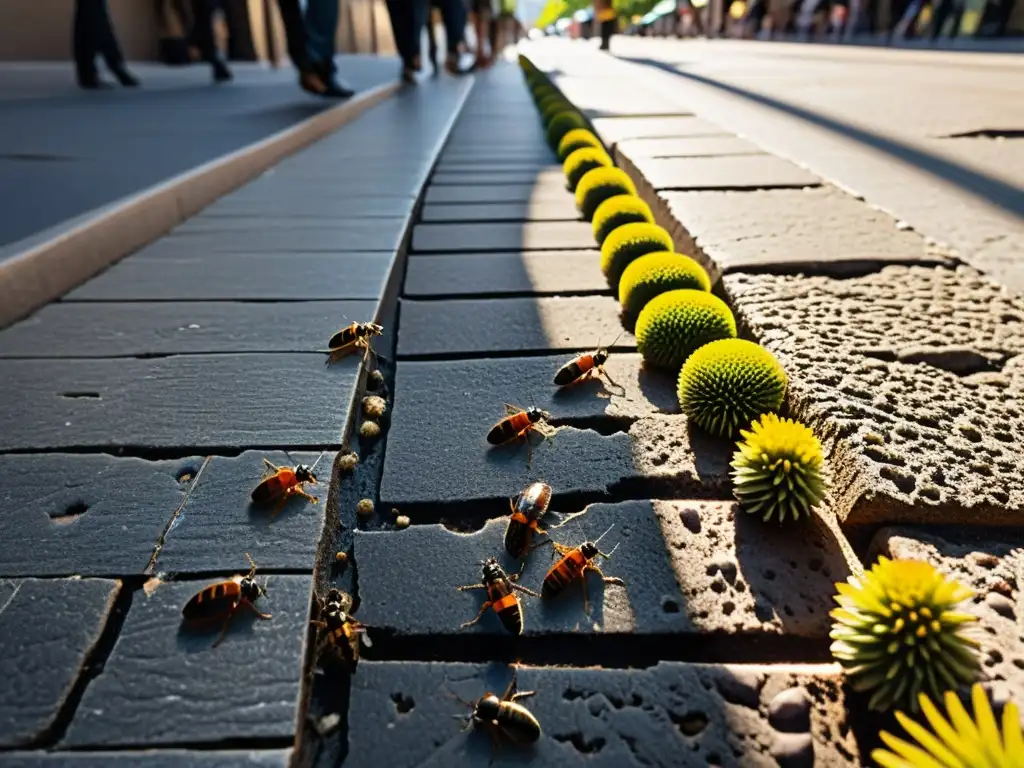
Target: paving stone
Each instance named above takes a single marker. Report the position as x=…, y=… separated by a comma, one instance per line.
x=483, y=156
x=614, y=97
x=909, y=375
x=246, y=688
x=180, y=401
x=556, y=209
x=93, y=329
x=68, y=514
x=233, y=226
x=348, y=237
x=992, y=566
x=47, y=631
x=471, y=326
x=697, y=146
x=310, y=207
x=265, y=758
x=530, y=236
x=669, y=714
x=612, y=130
x=738, y=172
x=495, y=274
x=659, y=450
x=499, y=163
x=241, y=277
x=696, y=568
x=474, y=178
x=502, y=193
x=814, y=230
x=219, y=520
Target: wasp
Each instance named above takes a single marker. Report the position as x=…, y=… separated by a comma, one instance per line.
x=504, y=716
x=519, y=423
x=222, y=601
x=341, y=633
x=501, y=596
x=350, y=338
x=527, y=510
x=281, y=483
x=583, y=366
x=575, y=562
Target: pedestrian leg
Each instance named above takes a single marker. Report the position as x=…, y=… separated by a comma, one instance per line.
x=202, y=29
x=321, y=29
x=106, y=41
x=454, y=14
x=84, y=42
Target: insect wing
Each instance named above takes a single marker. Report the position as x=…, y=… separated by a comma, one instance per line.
x=512, y=410
x=267, y=490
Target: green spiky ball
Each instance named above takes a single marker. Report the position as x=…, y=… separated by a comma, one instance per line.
x=619, y=210
x=628, y=243
x=727, y=384
x=577, y=138
x=582, y=161
x=598, y=185
x=675, y=324
x=551, y=105
x=777, y=469
x=897, y=633
x=655, y=274
x=562, y=123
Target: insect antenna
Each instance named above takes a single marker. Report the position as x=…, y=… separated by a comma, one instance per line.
x=615, y=341
x=317, y=461
x=252, y=565
x=598, y=539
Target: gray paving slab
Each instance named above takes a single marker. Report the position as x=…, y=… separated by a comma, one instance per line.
x=615, y=97
x=246, y=688
x=496, y=274
x=47, y=631
x=732, y=172
x=181, y=401
x=308, y=207
x=615, y=129
x=694, y=146
x=505, y=193
x=219, y=520
x=498, y=163
x=461, y=177
x=228, y=758
x=917, y=373
x=459, y=327
x=699, y=715
x=554, y=209
x=658, y=451
x=463, y=154
x=689, y=568
x=346, y=237
x=816, y=230
x=102, y=330
x=69, y=514
x=507, y=236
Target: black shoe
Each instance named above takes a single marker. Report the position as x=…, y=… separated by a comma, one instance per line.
x=125, y=78
x=338, y=89
x=311, y=82
x=408, y=75
x=90, y=81
x=221, y=73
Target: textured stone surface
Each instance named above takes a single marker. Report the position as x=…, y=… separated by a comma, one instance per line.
x=496, y=274
x=175, y=327
x=463, y=466
x=263, y=758
x=899, y=372
x=735, y=172
x=497, y=193
x=47, y=631
x=815, y=230
x=615, y=129
x=556, y=209
x=671, y=714
x=181, y=401
x=165, y=684
x=64, y=514
x=612, y=97
x=531, y=236
x=991, y=565
x=297, y=207
x=698, y=146
x=689, y=567
x=470, y=326
x=219, y=520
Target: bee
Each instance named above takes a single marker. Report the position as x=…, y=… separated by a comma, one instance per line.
x=575, y=563
x=583, y=366
x=341, y=634
x=222, y=601
x=527, y=510
x=519, y=423
x=504, y=716
x=501, y=596
x=350, y=338
x=281, y=483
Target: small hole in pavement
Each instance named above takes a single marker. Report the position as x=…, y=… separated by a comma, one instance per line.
x=71, y=514
x=670, y=606
x=186, y=475
x=81, y=395
x=403, y=704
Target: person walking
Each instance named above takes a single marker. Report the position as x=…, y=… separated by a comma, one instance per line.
x=407, y=20
x=94, y=34
x=608, y=20
x=310, y=40
x=453, y=15
x=202, y=34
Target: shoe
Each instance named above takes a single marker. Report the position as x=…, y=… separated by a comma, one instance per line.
x=335, y=89
x=221, y=73
x=311, y=82
x=453, y=67
x=91, y=82
x=408, y=75
x=125, y=78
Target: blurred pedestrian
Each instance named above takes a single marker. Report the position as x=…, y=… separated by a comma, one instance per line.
x=311, y=45
x=607, y=18
x=407, y=20
x=482, y=24
x=202, y=35
x=94, y=34
x=453, y=15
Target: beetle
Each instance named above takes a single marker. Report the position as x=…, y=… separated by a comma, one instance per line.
x=584, y=366
x=519, y=422
x=281, y=483
x=501, y=596
x=503, y=717
x=223, y=599
x=350, y=338
x=341, y=633
x=527, y=510
x=575, y=563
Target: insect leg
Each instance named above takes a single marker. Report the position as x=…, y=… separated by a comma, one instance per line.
x=507, y=695
x=259, y=614
x=483, y=609
x=605, y=579
x=224, y=629
x=586, y=598
x=296, y=490
x=611, y=381
x=527, y=590
x=522, y=695
x=471, y=586
x=278, y=507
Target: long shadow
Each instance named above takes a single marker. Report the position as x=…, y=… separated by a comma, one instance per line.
x=1006, y=196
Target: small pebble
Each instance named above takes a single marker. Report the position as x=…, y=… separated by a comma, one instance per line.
x=793, y=750
x=370, y=430
x=691, y=519
x=395, y=512
x=374, y=406
x=402, y=521
x=328, y=723
x=1001, y=605
x=341, y=558
x=790, y=711
x=348, y=461
x=364, y=508
x=374, y=380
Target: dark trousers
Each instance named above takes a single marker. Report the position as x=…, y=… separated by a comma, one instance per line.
x=607, y=30
x=453, y=13
x=202, y=28
x=93, y=33
x=295, y=32
x=310, y=37
x=407, y=20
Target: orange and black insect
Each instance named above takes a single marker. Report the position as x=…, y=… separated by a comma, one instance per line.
x=503, y=717
x=584, y=366
x=281, y=483
x=519, y=423
x=527, y=510
x=222, y=601
x=340, y=633
x=575, y=563
x=350, y=338
x=501, y=596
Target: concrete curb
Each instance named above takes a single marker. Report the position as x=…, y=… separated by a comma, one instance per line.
x=39, y=269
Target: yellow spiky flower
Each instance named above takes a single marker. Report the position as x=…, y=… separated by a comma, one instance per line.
x=896, y=634
x=961, y=741
x=777, y=469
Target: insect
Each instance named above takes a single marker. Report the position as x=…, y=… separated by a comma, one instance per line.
x=501, y=596
x=575, y=563
x=341, y=634
x=281, y=483
x=583, y=366
x=222, y=601
x=519, y=423
x=350, y=338
x=504, y=716
x=527, y=510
